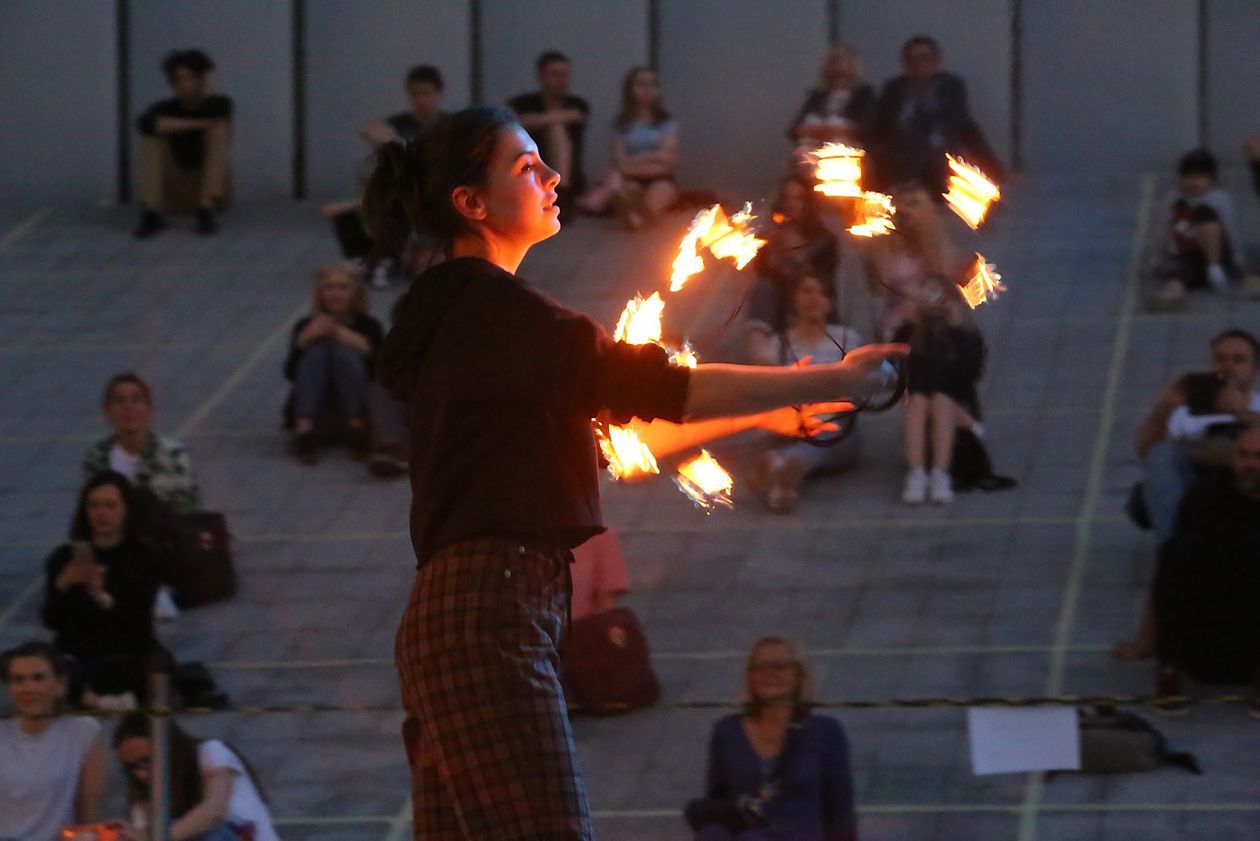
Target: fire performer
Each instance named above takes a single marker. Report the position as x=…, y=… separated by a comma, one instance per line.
x=501, y=384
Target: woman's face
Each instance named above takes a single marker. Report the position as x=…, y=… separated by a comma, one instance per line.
x=136, y=754
x=645, y=90
x=773, y=674
x=33, y=686
x=794, y=200
x=810, y=301
x=336, y=293
x=517, y=202
x=128, y=409
x=106, y=511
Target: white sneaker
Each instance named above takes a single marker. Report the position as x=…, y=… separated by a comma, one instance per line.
x=940, y=487
x=1217, y=278
x=164, y=609
x=914, y=492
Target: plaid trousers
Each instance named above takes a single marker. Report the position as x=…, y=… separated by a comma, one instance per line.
x=487, y=734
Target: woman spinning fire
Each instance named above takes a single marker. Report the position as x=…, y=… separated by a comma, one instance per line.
x=501, y=384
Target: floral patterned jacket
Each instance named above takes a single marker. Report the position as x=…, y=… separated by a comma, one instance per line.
x=164, y=469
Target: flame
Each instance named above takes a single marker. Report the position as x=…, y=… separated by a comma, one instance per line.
x=838, y=169
x=627, y=455
x=970, y=193
x=984, y=285
x=705, y=482
x=722, y=236
x=874, y=217
x=685, y=356
x=640, y=321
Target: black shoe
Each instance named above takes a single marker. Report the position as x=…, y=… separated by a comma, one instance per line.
x=387, y=463
x=150, y=223
x=1170, y=687
x=306, y=448
x=205, y=221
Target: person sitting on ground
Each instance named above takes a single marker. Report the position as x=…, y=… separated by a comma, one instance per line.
x=330, y=364
x=52, y=767
x=425, y=88
x=1206, y=591
x=214, y=793
x=98, y=596
x=921, y=115
x=1199, y=249
x=776, y=770
x=640, y=186
x=798, y=243
x=1179, y=443
x=841, y=109
x=184, y=146
x=788, y=461
x=155, y=463
x=599, y=575
x=556, y=121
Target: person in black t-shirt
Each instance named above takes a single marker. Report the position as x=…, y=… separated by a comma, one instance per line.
x=556, y=120
x=184, y=147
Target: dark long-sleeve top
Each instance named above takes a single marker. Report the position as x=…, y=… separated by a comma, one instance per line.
x=187, y=147
x=859, y=110
x=362, y=323
x=85, y=629
x=502, y=384
x=815, y=788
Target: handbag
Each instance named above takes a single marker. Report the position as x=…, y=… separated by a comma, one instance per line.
x=608, y=668
x=202, y=571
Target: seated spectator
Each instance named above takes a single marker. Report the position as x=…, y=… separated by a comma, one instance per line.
x=641, y=184
x=599, y=575
x=98, y=596
x=1198, y=250
x=556, y=120
x=214, y=793
x=787, y=461
x=330, y=365
x=424, y=87
x=798, y=243
x=1207, y=586
x=156, y=464
x=776, y=770
x=184, y=145
x=52, y=767
x=1178, y=443
x=841, y=109
x=921, y=115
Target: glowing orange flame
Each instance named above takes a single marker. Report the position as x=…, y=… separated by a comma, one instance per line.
x=722, y=236
x=705, y=482
x=685, y=356
x=640, y=321
x=874, y=216
x=627, y=456
x=984, y=285
x=970, y=193
x=838, y=169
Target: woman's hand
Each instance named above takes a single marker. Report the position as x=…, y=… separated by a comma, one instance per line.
x=78, y=572
x=863, y=368
x=806, y=422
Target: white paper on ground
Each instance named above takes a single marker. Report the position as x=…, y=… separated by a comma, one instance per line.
x=1006, y=740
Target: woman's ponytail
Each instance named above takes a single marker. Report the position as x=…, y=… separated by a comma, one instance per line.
x=391, y=198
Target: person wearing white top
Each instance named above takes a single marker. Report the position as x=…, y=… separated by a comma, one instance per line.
x=214, y=794
x=52, y=768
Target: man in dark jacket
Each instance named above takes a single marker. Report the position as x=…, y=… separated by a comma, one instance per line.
x=923, y=114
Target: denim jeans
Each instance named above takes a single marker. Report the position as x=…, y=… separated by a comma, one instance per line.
x=330, y=375
x=1168, y=472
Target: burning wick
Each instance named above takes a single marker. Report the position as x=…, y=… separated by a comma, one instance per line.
x=723, y=237
x=838, y=169
x=685, y=356
x=874, y=218
x=705, y=482
x=627, y=456
x=970, y=193
x=640, y=321
x=984, y=285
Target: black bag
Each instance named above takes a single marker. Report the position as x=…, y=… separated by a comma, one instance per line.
x=608, y=668
x=201, y=570
x=1116, y=742
x=971, y=468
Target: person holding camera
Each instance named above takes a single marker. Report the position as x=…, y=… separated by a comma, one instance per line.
x=1190, y=432
x=776, y=770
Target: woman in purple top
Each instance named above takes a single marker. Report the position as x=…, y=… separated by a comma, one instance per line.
x=501, y=384
x=776, y=772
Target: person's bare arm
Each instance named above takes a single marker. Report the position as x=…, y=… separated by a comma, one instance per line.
x=376, y=132
x=211, y=811
x=665, y=439
x=1155, y=426
x=92, y=785
x=346, y=337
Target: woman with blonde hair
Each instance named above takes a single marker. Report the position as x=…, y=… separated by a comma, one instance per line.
x=330, y=364
x=776, y=770
x=840, y=109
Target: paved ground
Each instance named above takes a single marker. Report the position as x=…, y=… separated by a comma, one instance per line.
x=1014, y=593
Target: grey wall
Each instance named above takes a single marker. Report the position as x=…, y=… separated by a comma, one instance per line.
x=357, y=55
x=1233, y=74
x=57, y=97
x=603, y=39
x=735, y=72
x=1109, y=86
x=252, y=45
